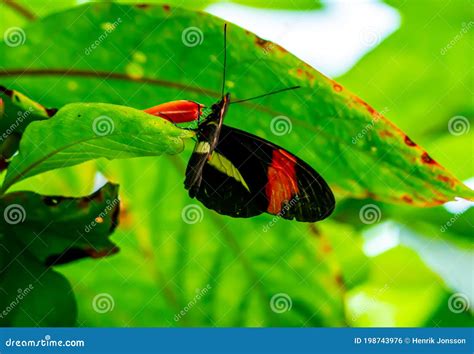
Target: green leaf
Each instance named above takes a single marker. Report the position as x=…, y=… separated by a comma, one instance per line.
x=375, y=156
x=73, y=227
x=37, y=232
x=32, y=295
x=82, y=132
x=423, y=84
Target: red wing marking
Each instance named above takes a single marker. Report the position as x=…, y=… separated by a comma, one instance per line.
x=282, y=183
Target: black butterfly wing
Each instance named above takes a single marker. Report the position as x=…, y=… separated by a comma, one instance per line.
x=247, y=176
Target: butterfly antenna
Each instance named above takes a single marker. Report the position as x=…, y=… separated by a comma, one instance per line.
x=267, y=94
x=225, y=59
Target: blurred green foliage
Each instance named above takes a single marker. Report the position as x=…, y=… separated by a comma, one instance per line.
x=165, y=262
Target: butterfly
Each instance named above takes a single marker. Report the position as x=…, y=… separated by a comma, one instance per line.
x=242, y=175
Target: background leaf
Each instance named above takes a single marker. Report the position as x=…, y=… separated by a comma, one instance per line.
x=40, y=231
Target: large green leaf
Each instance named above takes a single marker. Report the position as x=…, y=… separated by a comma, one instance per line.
x=378, y=160
x=37, y=232
x=81, y=132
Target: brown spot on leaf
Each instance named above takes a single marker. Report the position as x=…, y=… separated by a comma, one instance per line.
x=447, y=179
x=167, y=7
x=314, y=230
x=407, y=199
x=408, y=141
x=371, y=195
x=337, y=87
x=439, y=201
x=340, y=280
x=386, y=134
x=368, y=107
x=427, y=159
x=102, y=253
x=326, y=247
x=260, y=42
x=143, y=6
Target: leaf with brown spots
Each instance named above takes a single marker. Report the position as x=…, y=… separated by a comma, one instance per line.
x=57, y=229
x=355, y=148
x=38, y=232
